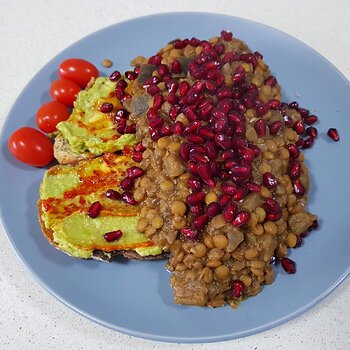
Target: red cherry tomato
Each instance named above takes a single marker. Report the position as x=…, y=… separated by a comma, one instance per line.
x=31, y=147
x=77, y=70
x=50, y=114
x=64, y=91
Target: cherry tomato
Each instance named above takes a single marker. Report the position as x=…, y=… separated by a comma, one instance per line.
x=64, y=91
x=78, y=70
x=50, y=114
x=31, y=147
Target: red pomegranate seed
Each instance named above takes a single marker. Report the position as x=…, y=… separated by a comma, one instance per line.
x=221, y=124
x=106, y=107
x=178, y=44
x=248, y=101
x=211, y=150
x=262, y=109
x=311, y=131
x=184, y=88
x=198, y=157
x=223, y=141
x=153, y=90
x=137, y=157
x=226, y=35
x=333, y=134
x=253, y=187
x=294, y=152
x=271, y=81
x=314, y=225
x=184, y=151
x=158, y=100
x=194, y=184
x=240, y=194
x=94, y=210
x=237, y=288
x=121, y=126
x=299, y=142
x=295, y=170
x=260, y=127
x=310, y=119
x=112, y=194
x=174, y=112
x=274, y=104
x=196, y=210
x=139, y=147
x=275, y=127
x=273, y=216
x=229, y=211
x=241, y=218
x=205, y=172
x=156, y=60
x=176, y=67
x=190, y=233
x=195, y=198
x=288, y=121
x=299, y=127
x=115, y=76
x=241, y=170
x=130, y=129
x=121, y=114
x=299, y=241
x=238, y=78
x=134, y=172
x=272, y=206
x=166, y=130
x=303, y=112
x=178, y=128
x=127, y=184
x=192, y=168
x=247, y=156
x=172, y=98
x=299, y=189
x=130, y=75
x=228, y=154
x=122, y=84
x=288, y=265
x=156, y=122
x=192, y=127
x=213, y=209
x=228, y=188
x=294, y=105
x=224, y=92
x=206, y=132
x=200, y=221
x=224, y=199
x=308, y=143
x=240, y=129
x=112, y=236
x=269, y=181
x=230, y=57
x=128, y=198
x=195, y=139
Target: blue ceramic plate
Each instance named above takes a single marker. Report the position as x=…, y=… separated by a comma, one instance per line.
x=135, y=297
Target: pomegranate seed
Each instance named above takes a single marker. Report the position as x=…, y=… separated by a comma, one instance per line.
x=275, y=127
x=192, y=127
x=272, y=206
x=273, y=216
x=288, y=121
x=137, y=70
x=172, y=98
x=127, y=183
x=230, y=163
x=195, y=42
x=308, y=143
x=190, y=233
x=241, y=218
x=224, y=199
x=158, y=100
x=134, y=172
x=166, y=130
x=213, y=209
x=253, y=187
x=226, y=35
x=198, y=157
x=311, y=131
x=139, y=147
x=178, y=128
x=223, y=141
x=310, y=119
x=247, y=156
x=299, y=127
x=195, y=139
x=200, y=221
x=112, y=236
x=240, y=194
x=137, y=157
x=299, y=142
x=237, y=288
x=94, y=210
x=314, y=225
x=303, y=112
x=205, y=172
x=196, y=210
x=333, y=134
x=211, y=150
x=274, y=104
x=262, y=109
x=106, y=107
x=112, y=194
x=299, y=189
x=156, y=122
x=176, y=67
x=156, y=60
x=293, y=151
x=241, y=170
x=229, y=211
x=194, y=184
x=228, y=188
x=230, y=57
x=295, y=170
x=192, y=168
x=128, y=198
x=299, y=241
x=153, y=90
x=130, y=75
x=221, y=124
x=248, y=101
x=224, y=92
x=260, y=127
x=152, y=81
x=271, y=81
x=294, y=105
x=269, y=181
x=121, y=114
x=205, y=132
x=115, y=76
x=130, y=129
x=178, y=44
x=228, y=154
x=240, y=129
x=288, y=265
x=174, y=112
x=195, y=198
x=122, y=84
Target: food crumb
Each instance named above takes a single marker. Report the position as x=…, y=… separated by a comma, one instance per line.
x=107, y=63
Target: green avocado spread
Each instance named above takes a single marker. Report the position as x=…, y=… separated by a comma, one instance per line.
x=90, y=130
x=65, y=197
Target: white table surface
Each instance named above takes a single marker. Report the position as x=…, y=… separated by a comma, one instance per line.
x=31, y=33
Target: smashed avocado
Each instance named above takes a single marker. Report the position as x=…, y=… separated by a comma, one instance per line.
x=90, y=130
x=66, y=194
